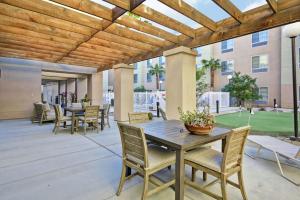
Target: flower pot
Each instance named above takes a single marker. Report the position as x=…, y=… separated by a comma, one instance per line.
x=198, y=130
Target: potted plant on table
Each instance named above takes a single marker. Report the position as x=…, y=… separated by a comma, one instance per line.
x=197, y=122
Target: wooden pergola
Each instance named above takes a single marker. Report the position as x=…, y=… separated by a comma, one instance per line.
x=101, y=37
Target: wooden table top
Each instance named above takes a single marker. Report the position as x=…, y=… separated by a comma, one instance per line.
x=173, y=134
x=78, y=109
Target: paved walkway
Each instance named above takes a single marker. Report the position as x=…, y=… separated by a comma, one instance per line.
x=35, y=164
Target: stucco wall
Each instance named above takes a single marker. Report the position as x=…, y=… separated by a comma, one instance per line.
x=20, y=87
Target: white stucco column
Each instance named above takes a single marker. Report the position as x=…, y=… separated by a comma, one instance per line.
x=95, y=88
x=180, y=80
x=123, y=91
x=81, y=88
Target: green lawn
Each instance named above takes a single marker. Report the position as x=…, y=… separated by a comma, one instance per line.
x=270, y=123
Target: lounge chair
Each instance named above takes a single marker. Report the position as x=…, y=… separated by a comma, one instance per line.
x=279, y=148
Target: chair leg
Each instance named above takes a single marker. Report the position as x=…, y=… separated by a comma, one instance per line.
x=241, y=184
x=107, y=119
x=122, y=179
x=204, y=176
x=84, y=128
x=194, y=170
x=146, y=182
x=223, y=188
x=55, y=124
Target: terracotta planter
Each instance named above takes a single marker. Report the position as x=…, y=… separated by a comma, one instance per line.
x=198, y=130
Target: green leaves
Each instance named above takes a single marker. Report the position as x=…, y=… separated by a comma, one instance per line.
x=197, y=118
x=156, y=70
x=243, y=87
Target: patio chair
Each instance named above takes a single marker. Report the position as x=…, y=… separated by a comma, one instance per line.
x=138, y=117
x=59, y=118
x=145, y=160
x=91, y=116
x=41, y=113
x=279, y=148
x=163, y=113
x=106, y=108
x=221, y=165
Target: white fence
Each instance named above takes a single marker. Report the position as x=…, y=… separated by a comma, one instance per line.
x=142, y=100
x=210, y=98
x=147, y=100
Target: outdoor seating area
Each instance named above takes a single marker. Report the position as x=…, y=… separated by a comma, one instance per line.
x=36, y=164
x=149, y=99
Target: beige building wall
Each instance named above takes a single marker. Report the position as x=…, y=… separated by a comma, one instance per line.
x=242, y=56
x=286, y=71
x=20, y=87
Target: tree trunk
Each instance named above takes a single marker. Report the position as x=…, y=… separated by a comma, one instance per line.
x=157, y=82
x=212, y=79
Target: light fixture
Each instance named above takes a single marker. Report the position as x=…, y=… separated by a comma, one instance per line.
x=292, y=31
x=229, y=77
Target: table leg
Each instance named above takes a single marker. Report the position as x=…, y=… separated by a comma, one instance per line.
x=223, y=144
x=102, y=120
x=179, y=175
x=73, y=123
x=128, y=171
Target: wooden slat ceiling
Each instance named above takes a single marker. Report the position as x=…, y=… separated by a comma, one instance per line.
x=101, y=37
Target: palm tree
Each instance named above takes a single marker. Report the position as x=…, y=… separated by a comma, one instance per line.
x=156, y=70
x=213, y=65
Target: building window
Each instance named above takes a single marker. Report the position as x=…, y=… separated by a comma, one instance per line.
x=161, y=77
x=264, y=95
x=227, y=46
x=135, y=78
x=135, y=65
x=162, y=60
x=259, y=63
x=259, y=38
x=227, y=67
x=149, y=63
x=149, y=77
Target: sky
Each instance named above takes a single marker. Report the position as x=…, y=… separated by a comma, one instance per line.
x=207, y=7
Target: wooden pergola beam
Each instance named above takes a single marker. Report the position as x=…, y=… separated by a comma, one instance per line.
x=191, y=13
x=231, y=9
x=273, y=5
x=125, y=32
x=141, y=26
x=115, y=45
x=40, y=41
x=267, y=20
x=56, y=11
x=123, y=40
x=153, y=15
x=42, y=19
x=40, y=28
x=88, y=7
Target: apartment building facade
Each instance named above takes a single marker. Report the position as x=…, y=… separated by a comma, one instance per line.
x=264, y=55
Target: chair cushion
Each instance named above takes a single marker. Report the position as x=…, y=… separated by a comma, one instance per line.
x=206, y=157
x=156, y=156
x=159, y=156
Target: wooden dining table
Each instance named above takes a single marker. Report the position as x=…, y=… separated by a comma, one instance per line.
x=175, y=136
x=75, y=110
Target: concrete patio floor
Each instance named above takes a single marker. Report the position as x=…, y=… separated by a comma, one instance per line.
x=36, y=164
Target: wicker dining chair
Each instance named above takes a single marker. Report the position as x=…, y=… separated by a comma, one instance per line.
x=91, y=116
x=106, y=108
x=59, y=118
x=138, y=117
x=163, y=113
x=144, y=159
x=221, y=165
